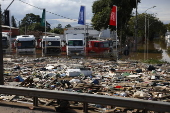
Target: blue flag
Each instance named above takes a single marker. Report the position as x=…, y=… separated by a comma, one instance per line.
x=81, y=19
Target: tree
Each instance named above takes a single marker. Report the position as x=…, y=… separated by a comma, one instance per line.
x=168, y=26
x=57, y=30
x=67, y=26
x=30, y=19
x=31, y=22
x=2, y=18
x=59, y=26
x=102, y=10
x=156, y=27
x=13, y=22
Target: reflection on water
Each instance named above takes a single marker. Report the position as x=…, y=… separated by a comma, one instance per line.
x=148, y=52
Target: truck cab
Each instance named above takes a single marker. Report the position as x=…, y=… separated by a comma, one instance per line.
x=75, y=44
x=97, y=46
x=53, y=44
x=25, y=44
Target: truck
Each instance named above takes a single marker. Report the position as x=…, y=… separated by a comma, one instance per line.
x=25, y=44
x=75, y=44
x=6, y=43
x=97, y=46
x=53, y=44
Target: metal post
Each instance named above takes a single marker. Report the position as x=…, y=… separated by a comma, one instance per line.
x=1, y=53
x=145, y=40
x=148, y=39
x=136, y=29
x=145, y=34
x=35, y=101
x=85, y=107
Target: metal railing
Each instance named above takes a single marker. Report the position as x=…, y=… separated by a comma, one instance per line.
x=148, y=105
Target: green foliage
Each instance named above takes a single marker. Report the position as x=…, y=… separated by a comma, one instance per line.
x=13, y=22
x=31, y=22
x=68, y=26
x=154, y=61
x=58, y=30
x=102, y=10
x=2, y=18
x=30, y=19
x=167, y=26
x=156, y=27
x=59, y=26
x=55, y=30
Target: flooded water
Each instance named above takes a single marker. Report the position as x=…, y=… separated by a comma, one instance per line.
x=155, y=50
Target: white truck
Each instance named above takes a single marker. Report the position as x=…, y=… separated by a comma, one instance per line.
x=75, y=44
x=6, y=45
x=25, y=44
x=53, y=44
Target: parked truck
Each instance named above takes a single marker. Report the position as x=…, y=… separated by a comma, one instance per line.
x=53, y=44
x=97, y=46
x=75, y=44
x=6, y=45
x=25, y=44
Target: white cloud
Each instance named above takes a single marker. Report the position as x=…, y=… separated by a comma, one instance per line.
x=70, y=9
x=64, y=8
x=162, y=9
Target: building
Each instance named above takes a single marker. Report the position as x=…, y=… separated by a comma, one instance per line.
x=90, y=31
x=14, y=31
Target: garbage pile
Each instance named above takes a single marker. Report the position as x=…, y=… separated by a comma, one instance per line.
x=129, y=79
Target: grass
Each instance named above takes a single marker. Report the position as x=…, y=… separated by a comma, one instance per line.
x=154, y=61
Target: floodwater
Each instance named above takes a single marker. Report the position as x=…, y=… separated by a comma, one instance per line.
x=155, y=50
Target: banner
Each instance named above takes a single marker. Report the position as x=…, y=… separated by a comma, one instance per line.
x=43, y=18
x=113, y=16
x=81, y=19
x=7, y=18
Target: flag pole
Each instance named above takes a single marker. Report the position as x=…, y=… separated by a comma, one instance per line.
x=85, y=28
x=45, y=32
x=116, y=35
x=113, y=22
x=82, y=21
x=43, y=23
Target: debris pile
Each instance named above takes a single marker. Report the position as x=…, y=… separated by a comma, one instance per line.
x=129, y=79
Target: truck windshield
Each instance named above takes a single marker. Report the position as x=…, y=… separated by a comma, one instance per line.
x=75, y=43
x=52, y=43
x=25, y=44
x=101, y=44
x=105, y=44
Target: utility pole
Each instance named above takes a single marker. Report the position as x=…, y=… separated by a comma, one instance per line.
x=1, y=53
x=1, y=49
x=136, y=26
x=145, y=32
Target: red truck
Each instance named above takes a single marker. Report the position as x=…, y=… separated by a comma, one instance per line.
x=97, y=46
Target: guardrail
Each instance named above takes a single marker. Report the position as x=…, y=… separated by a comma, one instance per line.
x=148, y=105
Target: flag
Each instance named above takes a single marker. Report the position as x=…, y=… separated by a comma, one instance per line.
x=81, y=19
x=7, y=18
x=43, y=18
x=113, y=16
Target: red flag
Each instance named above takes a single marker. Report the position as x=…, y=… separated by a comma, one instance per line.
x=113, y=16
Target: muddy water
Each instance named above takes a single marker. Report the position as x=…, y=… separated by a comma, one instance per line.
x=144, y=53
x=155, y=50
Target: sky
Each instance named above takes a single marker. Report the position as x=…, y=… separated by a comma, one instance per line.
x=66, y=12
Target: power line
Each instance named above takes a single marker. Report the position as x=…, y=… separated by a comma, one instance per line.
x=47, y=11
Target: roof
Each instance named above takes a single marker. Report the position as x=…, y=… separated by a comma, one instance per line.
x=4, y=26
x=25, y=37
